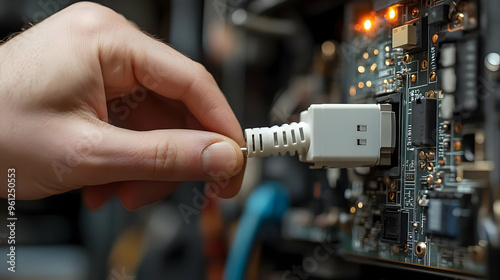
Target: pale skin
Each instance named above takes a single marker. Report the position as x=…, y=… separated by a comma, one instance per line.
x=57, y=81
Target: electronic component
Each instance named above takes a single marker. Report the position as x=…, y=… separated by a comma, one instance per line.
x=447, y=57
x=467, y=73
x=423, y=122
x=447, y=106
x=447, y=62
x=438, y=14
x=420, y=249
x=394, y=226
x=450, y=218
x=404, y=36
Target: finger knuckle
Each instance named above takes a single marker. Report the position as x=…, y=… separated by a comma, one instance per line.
x=86, y=17
x=164, y=160
x=202, y=72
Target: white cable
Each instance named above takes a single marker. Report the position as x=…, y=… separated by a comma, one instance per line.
x=288, y=138
x=331, y=135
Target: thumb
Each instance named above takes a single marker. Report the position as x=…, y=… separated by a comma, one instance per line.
x=161, y=155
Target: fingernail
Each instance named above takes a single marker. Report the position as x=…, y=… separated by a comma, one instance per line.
x=218, y=160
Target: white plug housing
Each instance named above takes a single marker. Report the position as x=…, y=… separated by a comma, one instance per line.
x=350, y=135
x=331, y=135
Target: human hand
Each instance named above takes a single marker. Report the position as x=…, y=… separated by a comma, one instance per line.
x=58, y=81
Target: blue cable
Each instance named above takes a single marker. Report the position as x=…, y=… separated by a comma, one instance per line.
x=267, y=203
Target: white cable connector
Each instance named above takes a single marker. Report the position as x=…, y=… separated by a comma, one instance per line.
x=331, y=135
x=267, y=141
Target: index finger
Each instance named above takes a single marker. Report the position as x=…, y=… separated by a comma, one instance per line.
x=169, y=73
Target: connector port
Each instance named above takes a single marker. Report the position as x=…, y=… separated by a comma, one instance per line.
x=394, y=226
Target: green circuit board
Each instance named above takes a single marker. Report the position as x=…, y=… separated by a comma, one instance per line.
x=421, y=210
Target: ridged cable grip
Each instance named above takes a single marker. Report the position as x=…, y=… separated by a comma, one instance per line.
x=265, y=141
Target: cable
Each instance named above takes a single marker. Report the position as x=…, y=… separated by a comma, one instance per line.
x=288, y=138
x=331, y=135
x=267, y=203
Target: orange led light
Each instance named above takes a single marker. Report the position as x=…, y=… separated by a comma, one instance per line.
x=392, y=13
x=367, y=24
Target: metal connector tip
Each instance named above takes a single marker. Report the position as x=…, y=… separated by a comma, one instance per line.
x=244, y=151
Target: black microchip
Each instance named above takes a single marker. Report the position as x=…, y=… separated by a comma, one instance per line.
x=438, y=14
x=394, y=226
x=424, y=122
